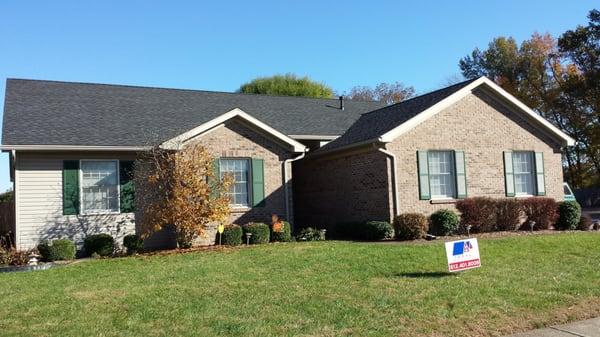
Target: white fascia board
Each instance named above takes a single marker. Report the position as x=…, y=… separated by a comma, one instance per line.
x=72, y=148
x=436, y=108
x=313, y=137
x=177, y=142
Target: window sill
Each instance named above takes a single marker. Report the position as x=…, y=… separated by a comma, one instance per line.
x=524, y=196
x=240, y=209
x=100, y=213
x=442, y=201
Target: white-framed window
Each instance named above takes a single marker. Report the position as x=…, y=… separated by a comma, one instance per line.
x=239, y=168
x=99, y=186
x=442, y=175
x=524, y=173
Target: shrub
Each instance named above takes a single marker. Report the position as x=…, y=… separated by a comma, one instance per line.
x=310, y=234
x=585, y=223
x=410, y=226
x=13, y=257
x=377, y=230
x=480, y=214
x=443, y=222
x=100, y=244
x=569, y=214
x=508, y=214
x=57, y=250
x=543, y=211
x=281, y=231
x=133, y=243
x=260, y=232
x=232, y=235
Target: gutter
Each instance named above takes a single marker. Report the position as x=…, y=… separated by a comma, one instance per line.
x=285, y=185
x=394, y=184
x=72, y=148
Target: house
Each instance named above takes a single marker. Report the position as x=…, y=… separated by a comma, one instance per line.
x=311, y=161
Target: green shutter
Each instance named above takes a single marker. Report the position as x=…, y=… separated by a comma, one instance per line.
x=258, y=183
x=461, y=174
x=509, y=179
x=423, y=168
x=70, y=187
x=127, y=186
x=539, y=174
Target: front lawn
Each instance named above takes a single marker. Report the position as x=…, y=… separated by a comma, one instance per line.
x=312, y=289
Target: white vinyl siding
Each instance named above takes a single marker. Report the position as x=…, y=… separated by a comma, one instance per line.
x=240, y=189
x=523, y=169
x=442, y=176
x=99, y=186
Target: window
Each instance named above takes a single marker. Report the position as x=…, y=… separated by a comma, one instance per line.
x=99, y=186
x=441, y=174
x=239, y=169
x=524, y=173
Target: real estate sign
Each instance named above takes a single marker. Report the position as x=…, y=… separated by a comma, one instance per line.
x=462, y=255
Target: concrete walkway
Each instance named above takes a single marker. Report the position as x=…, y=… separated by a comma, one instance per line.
x=587, y=328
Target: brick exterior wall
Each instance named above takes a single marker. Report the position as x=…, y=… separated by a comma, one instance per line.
x=347, y=188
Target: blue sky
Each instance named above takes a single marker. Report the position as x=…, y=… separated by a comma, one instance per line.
x=218, y=46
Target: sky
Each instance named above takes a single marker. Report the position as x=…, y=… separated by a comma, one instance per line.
x=222, y=44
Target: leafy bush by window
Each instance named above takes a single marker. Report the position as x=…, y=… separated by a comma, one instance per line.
x=543, y=211
x=480, y=214
x=508, y=214
x=585, y=223
x=443, y=222
x=410, y=226
x=57, y=250
x=133, y=243
x=310, y=234
x=232, y=235
x=281, y=231
x=100, y=244
x=260, y=232
x=569, y=214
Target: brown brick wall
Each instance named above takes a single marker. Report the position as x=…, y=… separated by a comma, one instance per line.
x=483, y=127
x=352, y=187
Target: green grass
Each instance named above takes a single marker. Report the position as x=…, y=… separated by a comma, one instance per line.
x=312, y=289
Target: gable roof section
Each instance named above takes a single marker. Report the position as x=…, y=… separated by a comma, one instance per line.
x=178, y=141
x=82, y=114
x=386, y=124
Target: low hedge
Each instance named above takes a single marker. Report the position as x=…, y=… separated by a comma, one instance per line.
x=310, y=234
x=101, y=244
x=542, y=211
x=377, y=230
x=410, y=226
x=443, y=222
x=477, y=214
x=281, y=232
x=232, y=235
x=57, y=250
x=569, y=214
x=585, y=223
x=260, y=232
x=133, y=243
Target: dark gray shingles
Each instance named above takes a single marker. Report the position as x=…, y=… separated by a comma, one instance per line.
x=372, y=125
x=65, y=113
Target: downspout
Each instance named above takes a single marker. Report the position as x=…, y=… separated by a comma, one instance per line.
x=394, y=170
x=285, y=184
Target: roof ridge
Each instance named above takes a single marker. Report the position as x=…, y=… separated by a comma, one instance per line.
x=423, y=95
x=182, y=89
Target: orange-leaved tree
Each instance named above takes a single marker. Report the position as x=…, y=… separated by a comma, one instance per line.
x=180, y=189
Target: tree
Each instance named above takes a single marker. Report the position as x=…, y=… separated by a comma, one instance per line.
x=388, y=93
x=287, y=85
x=537, y=73
x=182, y=189
x=7, y=196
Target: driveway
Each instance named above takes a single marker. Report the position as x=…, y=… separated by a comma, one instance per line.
x=587, y=328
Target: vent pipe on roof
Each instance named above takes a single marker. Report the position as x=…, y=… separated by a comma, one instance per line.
x=341, y=102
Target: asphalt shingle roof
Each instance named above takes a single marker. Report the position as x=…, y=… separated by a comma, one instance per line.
x=373, y=124
x=65, y=113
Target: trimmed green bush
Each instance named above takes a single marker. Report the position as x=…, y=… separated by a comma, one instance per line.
x=377, y=230
x=99, y=244
x=542, y=211
x=57, y=250
x=585, y=223
x=569, y=214
x=260, y=232
x=133, y=243
x=410, y=226
x=232, y=235
x=310, y=234
x=443, y=222
x=285, y=235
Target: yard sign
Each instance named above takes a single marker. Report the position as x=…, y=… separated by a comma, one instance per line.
x=462, y=255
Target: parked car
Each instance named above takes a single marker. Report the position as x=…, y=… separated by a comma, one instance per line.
x=569, y=195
